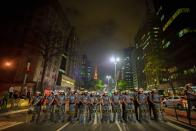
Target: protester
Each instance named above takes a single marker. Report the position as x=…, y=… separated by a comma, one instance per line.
x=191, y=99
x=11, y=91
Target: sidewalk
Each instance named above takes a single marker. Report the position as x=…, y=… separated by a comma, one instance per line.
x=182, y=118
x=181, y=123
x=180, y=113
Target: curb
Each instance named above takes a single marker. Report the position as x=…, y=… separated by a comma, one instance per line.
x=181, y=124
x=13, y=112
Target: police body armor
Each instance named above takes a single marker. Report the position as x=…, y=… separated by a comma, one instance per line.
x=72, y=104
x=37, y=108
x=129, y=108
x=106, y=104
x=84, y=109
x=116, y=105
x=130, y=103
x=60, y=112
x=37, y=102
x=156, y=98
x=94, y=102
x=61, y=100
x=49, y=102
x=85, y=103
x=143, y=109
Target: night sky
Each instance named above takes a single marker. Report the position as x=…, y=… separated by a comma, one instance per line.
x=105, y=26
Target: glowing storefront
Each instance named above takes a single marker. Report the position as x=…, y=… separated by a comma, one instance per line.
x=67, y=82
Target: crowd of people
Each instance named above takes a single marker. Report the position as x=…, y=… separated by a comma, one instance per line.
x=13, y=97
x=96, y=107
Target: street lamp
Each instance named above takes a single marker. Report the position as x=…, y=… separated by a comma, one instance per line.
x=108, y=77
x=115, y=60
x=7, y=64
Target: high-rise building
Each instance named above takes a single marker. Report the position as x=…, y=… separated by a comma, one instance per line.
x=133, y=67
x=69, y=73
x=86, y=72
x=95, y=73
x=126, y=67
x=36, y=27
x=146, y=41
x=178, y=26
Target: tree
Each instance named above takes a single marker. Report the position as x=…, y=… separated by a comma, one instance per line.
x=155, y=63
x=51, y=46
x=99, y=85
x=122, y=85
x=52, y=41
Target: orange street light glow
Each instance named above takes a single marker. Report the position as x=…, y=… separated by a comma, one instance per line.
x=8, y=63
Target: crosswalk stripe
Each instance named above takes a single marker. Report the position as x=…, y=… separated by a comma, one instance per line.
x=3, y=123
x=118, y=125
x=61, y=128
x=10, y=125
x=13, y=112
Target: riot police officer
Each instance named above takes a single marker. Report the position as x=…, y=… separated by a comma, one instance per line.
x=150, y=104
x=136, y=104
x=156, y=101
x=36, y=103
x=128, y=100
x=84, y=107
x=143, y=107
x=79, y=104
x=94, y=107
x=72, y=106
x=106, y=104
x=61, y=99
x=116, y=106
x=47, y=106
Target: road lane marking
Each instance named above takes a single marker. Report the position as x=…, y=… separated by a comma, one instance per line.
x=118, y=125
x=154, y=125
x=125, y=126
x=66, y=124
x=176, y=127
x=8, y=126
x=13, y=112
x=139, y=126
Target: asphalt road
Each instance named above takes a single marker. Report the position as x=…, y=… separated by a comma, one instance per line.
x=18, y=122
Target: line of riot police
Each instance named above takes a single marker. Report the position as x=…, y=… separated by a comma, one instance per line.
x=94, y=107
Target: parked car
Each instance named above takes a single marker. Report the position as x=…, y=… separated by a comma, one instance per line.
x=175, y=101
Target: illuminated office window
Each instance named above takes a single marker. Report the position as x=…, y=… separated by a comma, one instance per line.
x=162, y=17
x=167, y=45
x=160, y=8
x=155, y=28
x=184, y=31
x=174, y=16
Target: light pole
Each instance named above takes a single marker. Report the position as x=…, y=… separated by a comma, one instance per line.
x=108, y=77
x=115, y=60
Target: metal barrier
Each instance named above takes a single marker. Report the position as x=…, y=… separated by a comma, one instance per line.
x=189, y=111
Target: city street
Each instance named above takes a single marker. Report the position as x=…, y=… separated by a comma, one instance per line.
x=92, y=65
x=18, y=122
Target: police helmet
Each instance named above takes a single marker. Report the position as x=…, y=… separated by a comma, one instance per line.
x=38, y=92
x=141, y=89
